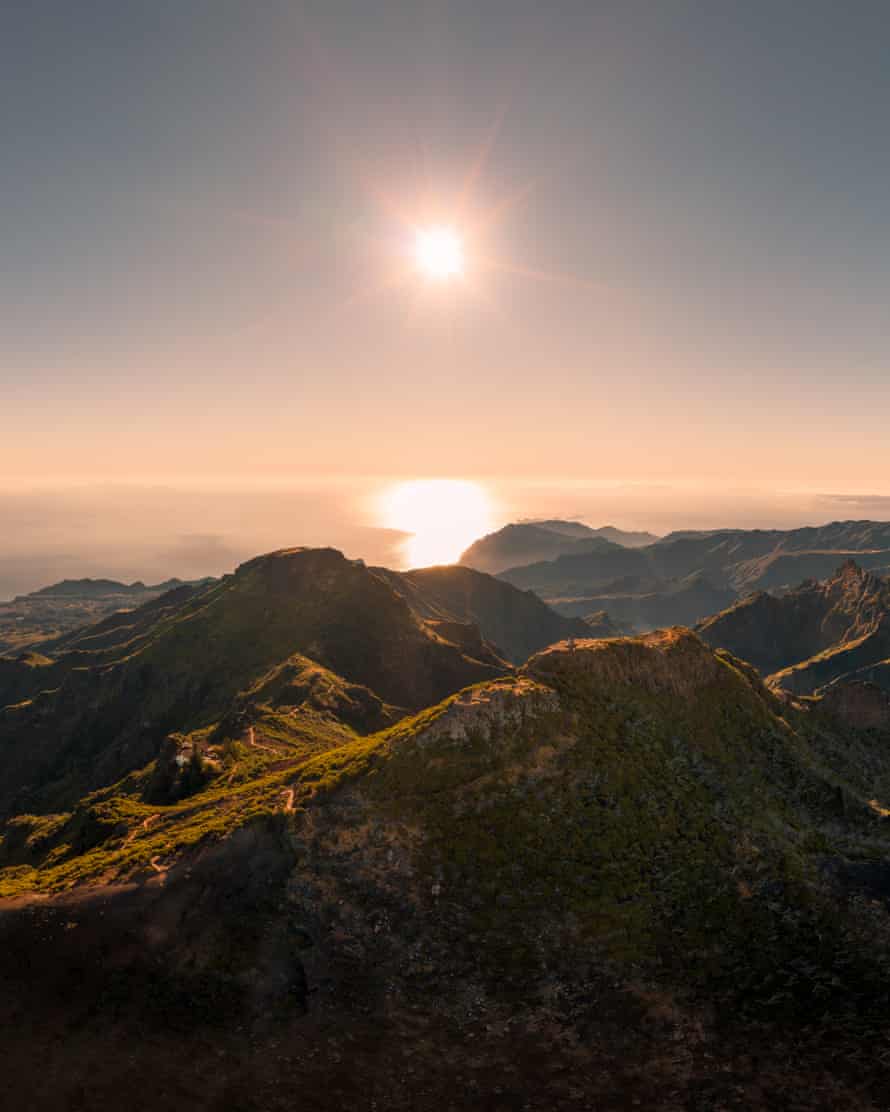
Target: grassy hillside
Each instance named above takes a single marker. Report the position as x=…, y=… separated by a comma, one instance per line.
x=645, y=802
x=627, y=858
x=104, y=705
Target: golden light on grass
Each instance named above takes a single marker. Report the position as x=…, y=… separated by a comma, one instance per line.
x=439, y=253
x=443, y=516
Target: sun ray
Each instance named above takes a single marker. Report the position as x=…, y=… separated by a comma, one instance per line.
x=542, y=275
x=478, y=164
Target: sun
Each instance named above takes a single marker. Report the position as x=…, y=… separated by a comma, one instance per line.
x=443, y=516
x=439, y=252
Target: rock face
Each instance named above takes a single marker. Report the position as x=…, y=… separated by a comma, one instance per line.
x=673, y=661
x=479, y=714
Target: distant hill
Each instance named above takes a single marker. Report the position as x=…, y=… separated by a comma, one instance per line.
x=528, y=542
x=30, y=619
x=98, y=588
x=577, y=529
x=708, y=568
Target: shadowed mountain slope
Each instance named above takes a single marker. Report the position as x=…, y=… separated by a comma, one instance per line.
x=611, y=877
x=517, y=622
x=773, y=632
x=678, y=602
x=686, y=576
x=819, y=634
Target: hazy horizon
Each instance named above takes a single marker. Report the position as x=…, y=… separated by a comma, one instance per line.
x=151, y=532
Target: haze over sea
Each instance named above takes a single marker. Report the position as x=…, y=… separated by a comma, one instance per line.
x=152, y=530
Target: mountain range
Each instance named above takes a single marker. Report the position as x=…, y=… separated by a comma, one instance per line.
x=413, y=840
x=686, y=576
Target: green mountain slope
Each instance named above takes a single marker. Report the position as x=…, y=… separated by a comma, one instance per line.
x=622, y=830
x=104, y=705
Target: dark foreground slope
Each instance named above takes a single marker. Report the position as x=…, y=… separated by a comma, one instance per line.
x=625, y=876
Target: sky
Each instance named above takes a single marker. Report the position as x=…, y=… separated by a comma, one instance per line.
x=674, y=219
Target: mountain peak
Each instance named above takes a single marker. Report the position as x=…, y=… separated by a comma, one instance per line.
x=849, y=569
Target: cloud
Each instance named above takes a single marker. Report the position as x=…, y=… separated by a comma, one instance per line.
x=868, y=504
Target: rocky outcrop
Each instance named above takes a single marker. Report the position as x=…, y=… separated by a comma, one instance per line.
x=671, y=661
x=493, y=709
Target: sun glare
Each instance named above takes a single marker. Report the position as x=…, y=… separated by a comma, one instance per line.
x=443, y=516
x=439, y=253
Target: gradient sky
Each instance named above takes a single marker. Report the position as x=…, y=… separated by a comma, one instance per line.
x=198, y=199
